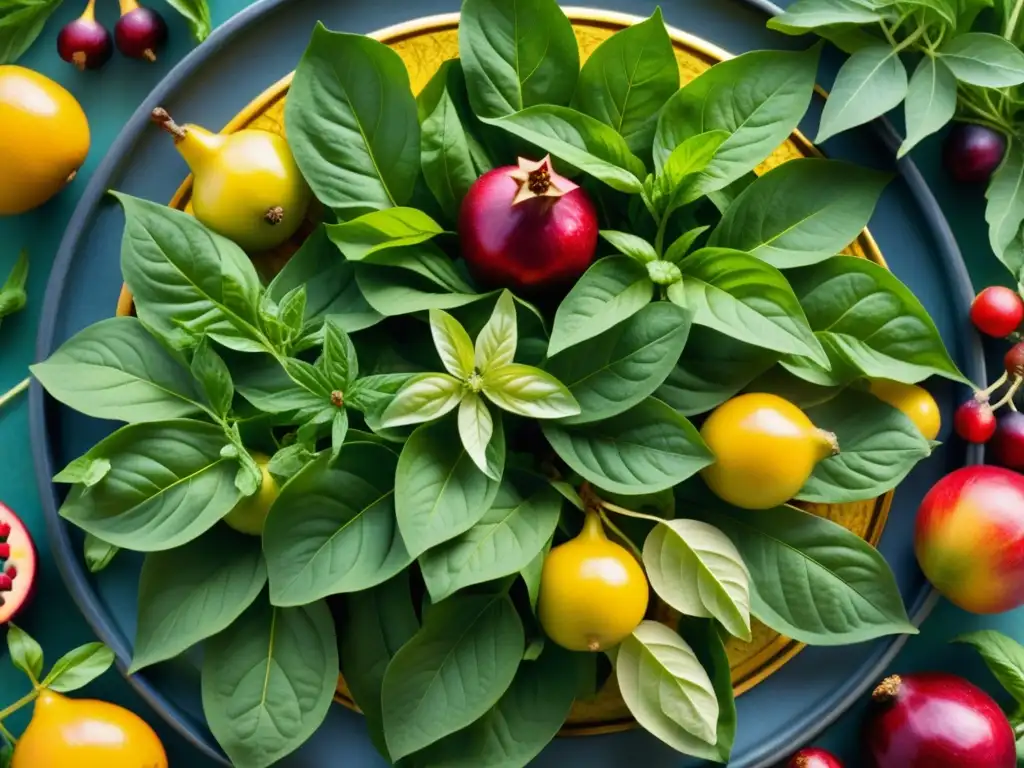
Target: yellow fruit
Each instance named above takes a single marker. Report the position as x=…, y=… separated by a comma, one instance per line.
x=765, y=450
x=593, y=593
x=44, y=138
x=84, y=733
x=916, y=403
x=250, y=514
x=246, y=185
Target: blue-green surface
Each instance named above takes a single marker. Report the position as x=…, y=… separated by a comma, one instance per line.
x=109, y=97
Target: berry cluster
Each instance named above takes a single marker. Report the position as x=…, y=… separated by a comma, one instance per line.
x=7, y=571
x=86, y=43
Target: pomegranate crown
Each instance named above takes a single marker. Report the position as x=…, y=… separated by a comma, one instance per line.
x=538, y=179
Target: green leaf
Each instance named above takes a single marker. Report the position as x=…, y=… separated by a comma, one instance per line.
x=309, y=378
x=878, y=445
x=931, y=101
x=187, y=281
x=351, y=122
x=377, y=231
x=1004, y=211
x=646, y=449
x=812, y=579
x=197, y=14
x=269, y=680
x=870, y=83
x=390, y=291
x=26, y=653
x=533, y=571
x=332, y=529
x=476, y=427
x=515, y=55
x=801, y=212
x=12, y=293
x=635, y=247
x=612, y=290
x=613, y=372
x=339, y=430
x=79, y=667
x=982, y=59
x=528, y=391
x=759, y=98
x=1004, y=657
x=580, y=140
x=339, y=362
x=21, y=22
x=679, y=181
x=705, y=638
x=268, y=387
x=168, y=484
x=213, y=377
x=681, y=245
x=194, y=592
x=98, y=553
x=83, y=470
x=628, y=78
x=809, y=14
x=497, y=341
x=371, y=394
x=506, y=540
x=426, y=397
x=452, y=672
x=864, y=316
x=743, y=297
x=439, y=492
x=666, y=688
x=697, y=570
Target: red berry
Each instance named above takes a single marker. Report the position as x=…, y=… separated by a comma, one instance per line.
x=812, y=757
x=5, y=531
x=973, y=152
x=140, y=32
x=6, y=583
x=1008, y=443
x=12, y=572
x=974, y=421
x=997, y=311
x=5, y=551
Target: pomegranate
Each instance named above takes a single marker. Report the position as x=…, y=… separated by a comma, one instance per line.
x=525, y=227
x=974, y=421
x=17, y=565
x=973, y=152
x=1008, y=443
x=937, y=720
x=997, y=311
x=812, y=757
x=85, y=42
x=140, y=32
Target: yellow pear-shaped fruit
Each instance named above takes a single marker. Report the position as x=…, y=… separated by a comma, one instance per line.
x=765, y=450
x=916, y=402
x=250, y=514
x=593, y=593
x=246, y=185
x=85, y=733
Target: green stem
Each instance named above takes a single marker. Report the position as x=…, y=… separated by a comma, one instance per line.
x=629, y=512
x=8, y=735
x=1011, y=24
x=623, y=537
x=909, y=39
x=659, y=240
x=28, y=698
x=13, y=393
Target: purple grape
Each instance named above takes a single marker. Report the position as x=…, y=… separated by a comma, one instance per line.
x=973, y=152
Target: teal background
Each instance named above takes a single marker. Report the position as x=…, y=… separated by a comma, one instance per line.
x=109, y=97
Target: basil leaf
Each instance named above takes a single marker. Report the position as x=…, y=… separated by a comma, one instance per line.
x=982, y=59
x=213, y=377
x=193, y=592
x=580, y=140
x=1004, y=657
x=425, y=397
x=269, y=680
x=267, y=386
x=878, y=445
x=806, y=15
x=679, y=181
x=497, y=341
x=743, y=297
x=801, y=212
x=627, y=80
x=666, y=688
x=613, y=372
x=115, y=369
x=26, y=653
x=439, y=492
x=870, y=83
x=187, y=280
x=528, y=391
x=635, y=247
x=339, y=362
x=516, y=528
x=697, y=570
x=98, y=554
x=371, y=394
x=681, y=246
x=515, y=55
x=866, y=318
x=197, y=14
x=452, y=671
x=707, y=643
x=813, y=580
x=648, y=448
x=453, y=344
x=21, y=22
x=377, y=231
x=79, y=667
x=931, y=101
x=83, y=470
x=12, y=293
x=759, y=98
x=476, y=427
x=1004, y=211
x=940, y=12
x=533, y=571
x=168, y=484
x=351, y=122
x=610, y=291
x=332, y=529
x=390, y=291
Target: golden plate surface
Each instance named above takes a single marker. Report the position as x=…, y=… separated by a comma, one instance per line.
x=423, y=44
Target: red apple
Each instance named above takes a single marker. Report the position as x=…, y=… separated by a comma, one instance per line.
x=969, y=538
x=17, y=565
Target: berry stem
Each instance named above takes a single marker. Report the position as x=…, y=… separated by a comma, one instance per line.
x=162, y=117
x=25, y=700
x=127, y=6
x=14, y=392
x=89, y=14
x=983, y=394
x=1008, y=397
x=8, y=735
x=621, y=536
x=629, y=512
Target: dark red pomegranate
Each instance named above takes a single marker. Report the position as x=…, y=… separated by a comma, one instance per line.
x=1008, y=442
x=812, y=757
x=937, y=720
x=974, y=421
x=85, y=42
x=973, y=152
x=527, y=228
x=140, y=32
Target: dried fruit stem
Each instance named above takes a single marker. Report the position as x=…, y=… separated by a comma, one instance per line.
x=161, y=117
x=888, y=689
x=274, y=215
x=148, y=55
x=78, y=59
x=830, y=439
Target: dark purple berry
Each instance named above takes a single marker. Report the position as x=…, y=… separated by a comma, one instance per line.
x=85, y=42
x=973, y=152
x=1008, y=442
x=140, y=32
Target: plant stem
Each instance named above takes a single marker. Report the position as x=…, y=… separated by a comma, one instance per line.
x=8, y=735
x=1011, y=24
x=625, y=539
x=1008, y=397
x=13, y=393
x=983, y=394
x=28, y=698
x=629, y=512
x=659, y=240
x=909, y=39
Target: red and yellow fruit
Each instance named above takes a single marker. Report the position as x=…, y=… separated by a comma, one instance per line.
x=18, y=562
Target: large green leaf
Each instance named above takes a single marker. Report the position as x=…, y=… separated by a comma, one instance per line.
x=983, y=59
x=351, y=122
x=705, y=638
x=648, y=448
x=516, y=55
x=168, y=483
x=452, y=672
x=269, y=680
x=931, y=101
x=115, y=369
x=1004, y=211
x=195, y=591
x=870, y=83
x=801, y=212
x=613, y=372
x=759, y=98
x=808, y=14
x=333, y=527
x=21, y=22
x=377, y=231
x=393, y=291
x=507, y=538
x=1004, y=657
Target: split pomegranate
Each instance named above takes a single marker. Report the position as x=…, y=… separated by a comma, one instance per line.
x=974, y=421
x=527, y=228
x=17, y=565
x=937, y=720
x=997, y=311
x=812, y=757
